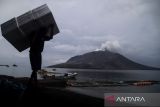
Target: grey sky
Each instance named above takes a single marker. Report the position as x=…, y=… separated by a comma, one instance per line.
x=130, y=27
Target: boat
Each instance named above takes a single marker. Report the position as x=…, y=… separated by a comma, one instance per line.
x=54, y=69
x=5, y=65
x=70, y=75
x=45, y=74
x=14, y=65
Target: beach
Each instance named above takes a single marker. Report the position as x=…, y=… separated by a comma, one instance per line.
x=48, y=93
x=87, y=89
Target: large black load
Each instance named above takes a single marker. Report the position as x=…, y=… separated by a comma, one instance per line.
x=18, y=29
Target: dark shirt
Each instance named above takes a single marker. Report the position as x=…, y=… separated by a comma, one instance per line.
x=37, y=41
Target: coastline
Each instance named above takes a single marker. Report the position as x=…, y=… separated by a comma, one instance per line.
x=14, y=91
x=46, y=94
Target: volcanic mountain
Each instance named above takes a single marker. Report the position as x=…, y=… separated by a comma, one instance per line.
x=102, y=60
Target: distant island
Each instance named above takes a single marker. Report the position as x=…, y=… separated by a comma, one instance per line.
x=102, y=60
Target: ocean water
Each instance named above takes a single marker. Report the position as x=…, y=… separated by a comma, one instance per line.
x=90, y=74
x=20, y=71
x=99, y=75
x=114, y=75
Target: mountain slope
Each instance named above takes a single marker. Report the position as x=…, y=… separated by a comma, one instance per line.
x=101, y=60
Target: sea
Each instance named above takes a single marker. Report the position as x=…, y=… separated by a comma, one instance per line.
x=85, y=75
x=91, y=75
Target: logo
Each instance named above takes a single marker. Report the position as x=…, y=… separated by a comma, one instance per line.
x=110, y=99
x=130, y=99
x=123, y=99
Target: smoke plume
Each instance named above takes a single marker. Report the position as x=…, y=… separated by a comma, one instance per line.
x=112, y=46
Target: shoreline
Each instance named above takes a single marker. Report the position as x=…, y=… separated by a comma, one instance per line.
x=14, y=92
x=46, y=94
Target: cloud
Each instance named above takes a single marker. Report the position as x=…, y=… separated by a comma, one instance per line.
x=0, y=35
x=66, y=47
x=130, y=27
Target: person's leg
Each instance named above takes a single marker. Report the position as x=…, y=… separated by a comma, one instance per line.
x=36, y=58
x=36, y=61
